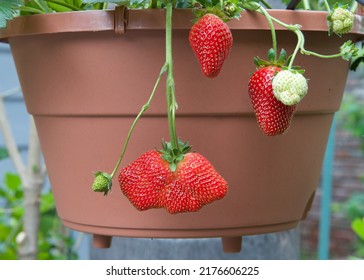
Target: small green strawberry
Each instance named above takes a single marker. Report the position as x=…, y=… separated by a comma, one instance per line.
x=289, y=87
x=340, y=20
x=102, y=182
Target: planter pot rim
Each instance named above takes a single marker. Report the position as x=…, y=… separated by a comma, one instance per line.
x=152, y=19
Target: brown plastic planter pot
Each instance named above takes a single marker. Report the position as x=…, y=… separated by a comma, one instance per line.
x=84, y=82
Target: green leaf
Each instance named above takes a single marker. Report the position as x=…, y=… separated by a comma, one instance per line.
x=167, y=158
x=357, y=59
x=17, y=213
x=186, y=149
x=175, y=152
x=47, y=203
x=8, y=9
x=180, y=157
x=44, y=256
x=12, y=181
x=4, y=232
x=46, y=223
x=354, y=206
x=3, y=153
x=272, y=56
x=3, y=193
x=164, y=145
x=8, y=254
x=256, y=61
x=282, y=57
x=348, y=50
x=358, y=227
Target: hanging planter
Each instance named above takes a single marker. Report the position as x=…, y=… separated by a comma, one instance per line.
x=85, y=76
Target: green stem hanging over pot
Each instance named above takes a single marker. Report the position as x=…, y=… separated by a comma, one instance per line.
x=103, y=180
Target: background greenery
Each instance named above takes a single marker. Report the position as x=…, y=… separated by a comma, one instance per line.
x=54, y=241
x=352, y=119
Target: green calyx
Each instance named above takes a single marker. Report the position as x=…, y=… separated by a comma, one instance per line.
x=281, y=61
x=348, y=50
x=226, y=10
x=273, y=60
x=174, y=155
x=102, y=182
x=232, y=8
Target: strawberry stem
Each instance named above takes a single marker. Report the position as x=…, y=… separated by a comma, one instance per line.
x=271, y=25
x=102, y=180
x=266, y=4
x=170, y=90
x=306, y=5
x=300, y=43
x=345, y=53
x=327, y=6
x=144, y=108
x=354, y=6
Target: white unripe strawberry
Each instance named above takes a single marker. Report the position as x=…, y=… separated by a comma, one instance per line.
x=341, y=21
x=289, y=87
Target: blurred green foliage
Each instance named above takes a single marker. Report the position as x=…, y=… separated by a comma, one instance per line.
x=52, y=241
x=351, y=118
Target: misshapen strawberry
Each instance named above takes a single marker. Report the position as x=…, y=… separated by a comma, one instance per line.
x=149, y=182
x=211, y=41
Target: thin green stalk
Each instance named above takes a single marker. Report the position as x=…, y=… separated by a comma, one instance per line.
x=300, y=40
x=104, y=6
x=354, y=7
x=306, y=52
x=291, y=27
x=271, y=25
x=266, y=4
x=327, y=6
x=170, y=90
x=171, y=98
x=144, y=108
x=306, y=5
x=300, y=43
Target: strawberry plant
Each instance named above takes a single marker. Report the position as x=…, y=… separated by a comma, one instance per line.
x=157, y=179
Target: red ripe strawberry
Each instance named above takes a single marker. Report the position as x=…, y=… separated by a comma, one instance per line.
x=149, y=182
x=211, y=41
x=272, y=115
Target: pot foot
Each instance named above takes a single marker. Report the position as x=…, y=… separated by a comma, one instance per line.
x=101, y=241
x=308, y=206
x=232, y=244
